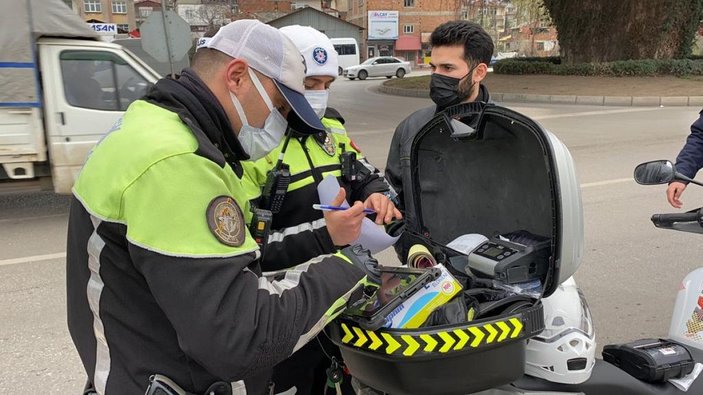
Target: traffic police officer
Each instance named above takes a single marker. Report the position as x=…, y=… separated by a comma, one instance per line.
x=299, y=231
x=162, y=274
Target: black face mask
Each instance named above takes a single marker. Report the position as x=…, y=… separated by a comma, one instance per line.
x=445, y=91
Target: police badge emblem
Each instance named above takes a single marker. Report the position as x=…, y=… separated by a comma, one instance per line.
x=327, y=142
x=226, y=221
x=319, y=55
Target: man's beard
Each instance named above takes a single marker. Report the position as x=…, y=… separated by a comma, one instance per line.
x=467, y=88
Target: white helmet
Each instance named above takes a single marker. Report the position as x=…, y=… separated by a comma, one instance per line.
x=565, y=351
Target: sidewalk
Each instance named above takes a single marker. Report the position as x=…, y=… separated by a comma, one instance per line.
x=603, y=91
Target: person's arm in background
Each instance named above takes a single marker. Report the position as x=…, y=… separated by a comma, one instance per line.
x=688, y=162
x=291, y=246
x=393, y=174
x=373, y=189
x=370, y=186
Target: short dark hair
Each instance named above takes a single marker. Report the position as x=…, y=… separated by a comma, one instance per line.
x=207, y=61
x=478, y=45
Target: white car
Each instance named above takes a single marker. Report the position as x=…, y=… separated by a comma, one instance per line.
x=382, y=66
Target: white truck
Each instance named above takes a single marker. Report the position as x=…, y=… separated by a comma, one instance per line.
x=61, y=90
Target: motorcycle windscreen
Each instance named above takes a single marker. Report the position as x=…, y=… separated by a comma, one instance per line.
x=497, y=180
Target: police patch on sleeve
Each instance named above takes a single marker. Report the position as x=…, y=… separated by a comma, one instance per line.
x=356, y=147
x=319, y=55
x=226, y=221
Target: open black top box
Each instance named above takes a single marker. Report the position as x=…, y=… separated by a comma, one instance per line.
x=504, y=173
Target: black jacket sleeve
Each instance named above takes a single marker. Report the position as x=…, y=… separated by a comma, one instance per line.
x=371, y=182
x=393, y=165
x=690, y=159
x=291, y=246
x=234, y=322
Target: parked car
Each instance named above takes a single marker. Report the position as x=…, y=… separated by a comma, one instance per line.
x=382, y=66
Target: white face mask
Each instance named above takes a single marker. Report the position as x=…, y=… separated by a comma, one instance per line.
x=258, y=142
x=318, y=101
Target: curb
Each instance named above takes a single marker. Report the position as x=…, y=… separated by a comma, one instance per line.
x=615, y=101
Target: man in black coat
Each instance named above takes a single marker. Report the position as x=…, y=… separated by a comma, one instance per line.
x=461, y=52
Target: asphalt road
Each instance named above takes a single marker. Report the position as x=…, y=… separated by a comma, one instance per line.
x=630, y=272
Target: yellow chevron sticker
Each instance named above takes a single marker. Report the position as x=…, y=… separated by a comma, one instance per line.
x=347, y=334
x=392, y=343
x=518, y=327
x=375, y=341
x=362, y=337
x=505, y=330
x=492, y=332
x=412, y=345
x=463, y=338
x=448, y=341
x=478, y=336
x=431, y=342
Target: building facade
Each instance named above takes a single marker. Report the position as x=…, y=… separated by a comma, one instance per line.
x=328, y=24
x=498, y=17
x=119, y=12
x=400, y=27
x=535, y=39
x=144, y=8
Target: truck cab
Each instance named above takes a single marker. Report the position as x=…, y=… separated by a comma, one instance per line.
x=61, y=97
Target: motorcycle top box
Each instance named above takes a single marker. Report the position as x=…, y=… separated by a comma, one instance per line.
x=508, y=179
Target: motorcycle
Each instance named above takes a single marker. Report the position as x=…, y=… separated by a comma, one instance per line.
x=545, y=345
x=686, y=325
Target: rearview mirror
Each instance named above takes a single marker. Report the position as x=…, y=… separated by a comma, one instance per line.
x=655, y=172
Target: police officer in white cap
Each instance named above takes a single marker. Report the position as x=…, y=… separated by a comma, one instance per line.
x=299, y=231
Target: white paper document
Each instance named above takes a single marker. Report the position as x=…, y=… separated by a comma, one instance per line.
x=467, y=243
x=372, y=237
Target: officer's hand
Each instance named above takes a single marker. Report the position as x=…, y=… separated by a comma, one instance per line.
x=344, y=226
x=385, y=209
x=673, y=193
x=362, y=259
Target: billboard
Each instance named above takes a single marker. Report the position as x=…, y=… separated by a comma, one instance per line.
x=104, y=28
x=383, y=25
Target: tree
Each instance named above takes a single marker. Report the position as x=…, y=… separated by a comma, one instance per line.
x=530, y=13
x=483, y=12
x=214, y=14
x=608, y=30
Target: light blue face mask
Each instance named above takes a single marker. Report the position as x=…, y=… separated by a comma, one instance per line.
x=318, y=101
x=257, y=142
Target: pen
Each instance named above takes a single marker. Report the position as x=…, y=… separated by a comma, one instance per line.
x=327, y=207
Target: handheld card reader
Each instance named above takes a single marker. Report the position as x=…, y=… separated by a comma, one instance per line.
x=512, y=258
x=651, y=360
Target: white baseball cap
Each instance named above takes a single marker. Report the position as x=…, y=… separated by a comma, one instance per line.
x=316, y=48
x=271, y=53
x=202, y=42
